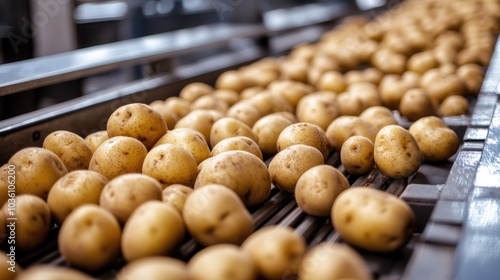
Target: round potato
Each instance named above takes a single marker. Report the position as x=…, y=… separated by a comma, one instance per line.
x=244, y=111
x=396, y=152
x=53, y=272
x=416, y=104
x=171, y=164
x=332, y=81
x=318, y=108
x=388, y=61
x=344, y=127
x=73, y=190
x=436, y=141
x=9, y=268
x=95, y=139
x=275, y=251
x=123, y=194
x=222, y=262
x=139, y=121
x=356, y=155
x=392, y=88
x=228, y=127
x=422, y=62
x=378, y=117
x=191, y=140
x=372, y=219
x=215, y=214
x=209, y=102
x=153, y=229
x=201, y=120
x=167, y=114
x=72, y=149
x=226, y=95
x=472, y=75
x=289, y=164
x=304, y=133
x=193, y=91
x=176, y=195
x=333, y=261
x=455, y=105
x=155, y=268
x=239, y=143
x=267, y=130
x=181, y=107
x=291, y=91
x=232, y=80
x=318, y=188
x=240, y=171
x=118, y=155
x=90, y=238
x=37, y=169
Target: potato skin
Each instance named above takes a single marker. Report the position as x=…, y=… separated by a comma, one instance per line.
x=344, y=127
x=95, y=139
x=201, y=120
x=53, y=272
x=304, y=133
x=191, y=140
x=215, y=214
x=319, y=108
x=238, y=143
x=72, y=149
x=318, y=188
x=90, y=238
x=267, y=130
x=228, y=127
x=333, y=261
x=154, y=268
x=176, y=195
x=378, y=117
x=396, y=152
x=416, y=104
x=372, y=219
x=154, y=228
x=356, y=155
x=454, y=105
x=222, y=262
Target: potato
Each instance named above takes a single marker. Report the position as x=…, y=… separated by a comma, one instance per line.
x=454, y=105
x=378, y=117
x=37, y=169
x=154, y=268
x=472, y=75
x=275, y=251
x=294, y=70
x=318, y=108
x=422, y=62
x=209, y=102
x=353, y=103
x=118, y=155
x=333, y=261
x=229, y=127
x=123, y=194
x=181, y=107
x=289, y=164
x=6, y=180
x=139, y=121
x=396, y=152
x=95, y=139
x=9, y=268
x=153, y=229
x=232, y=80
x=53, y=272
x=215, y=214
x=200, y=120
x=318, y=188
x=356, y=155
x=372, y=219
x=344, y=127
x=193, y=91
x=176, y=195
x=291, y=91
x=388, y=61
x=72, y=149
x=392, y=88
x=332, y=81
x=90, y=238
x=222, y=262
x=436, y=141
x=304, y=133
x=416, y=103
x=226, y=95
x=167, y=114
x=244, y=111
x=191, y=140
x=242, y=172
x=73, y=190
x=440, y=85
x=241, y=143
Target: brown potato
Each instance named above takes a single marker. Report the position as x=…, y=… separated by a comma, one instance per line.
x=191, y=140
x=356, y=155
x=378, y=117
x=304, y=133
x=95, y=139
x=267, y=130
x=9, y=268
x=454, y=105
x=154, y=268
x=416, y=104
x=344, y=127
x=319, y=108
x=422, y=62
x=472, y=75
x=176, y=195
x=392, y=88
x=294, y=70
x=332, y=81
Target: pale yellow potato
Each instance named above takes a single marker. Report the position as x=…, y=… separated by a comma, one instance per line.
x=176, y=195
x=90, y=237
x=372, y=219
x=137, y=120
x=291, y=91
x=53, y=272
x=181, y=107
x=294, y=70
x=72, y=149
x=237, y=143
x=209, y=102
x=222, y=262
x=396, y=152
x=240, y=171
x=168, y=115
x=232, y=80
x=33, y=221
x=378, y=117
x=454, y=105
x=416, y=103
x=318, y=188
x=319, y=108
x=191, y=140
x=333, y=261
x=289, y=164
x=229, y=127
x=344, y=127
x=392, y=88
x=215, y=214
x=9, y=268
x=304, y=133
x=118, y=155
x=193, y=91
x=171, y=164
x=95, y=139
x=200, y=120
x=123, y=194
x=436, y=141
x=155, y=268
x=226, y=95
x=267, y=130
x=440, y=85
x=251, y=91
x=422, y=62
x=332, y=81
x=388, y=61
x=353, y=103
x=154, y=229
x=73, y=190
x=356, y=155
x=472, y=75
x=275, y=251
x=37, y=169
x=245, y=112
x=265, y=102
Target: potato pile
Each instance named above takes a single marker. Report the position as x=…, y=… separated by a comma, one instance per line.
x=196, y=165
